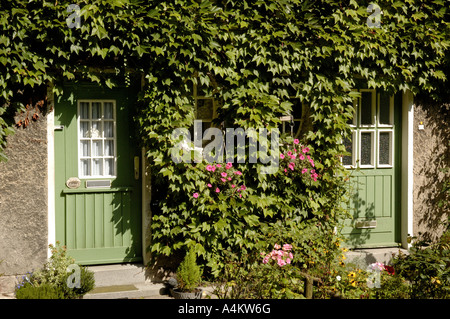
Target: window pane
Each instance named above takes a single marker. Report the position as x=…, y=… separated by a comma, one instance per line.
x=366, y=149
x=348, y=143
x=204, y=109
x=385, y=108
x=85, y=167
x=96, y=110
x=366, y=108
x=85, y=148
x=84, y=110
x=108, y=111
x=109, y=148
x=84, y=129
x=97, y=148
x=109, y=129
x=109, y=166
x=97, y=167
x=384, y=148
x=96, y=131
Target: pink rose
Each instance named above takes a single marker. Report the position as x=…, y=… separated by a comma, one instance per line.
x=281, y=262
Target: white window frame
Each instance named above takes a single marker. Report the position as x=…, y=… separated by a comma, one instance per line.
x=373, y=153
x=354, y=152
x=391, y=112
x=80, y=138
x=391, y=148
x=373, y=107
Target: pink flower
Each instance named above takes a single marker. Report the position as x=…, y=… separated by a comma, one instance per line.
x=312, y=162
x=301, y=157
x=288, y=260
x=266, y=259
x=223, y=179
x=229, y=165
x=209, y=185
x=223, y=174
x=218, y=165
x=313, y=171
x=238, y=172
x=209, y=168
x=217, y=190
x=281, y=262
x=305, y=150
x=293, y=157
x=289, y=153
x=287, y=247
x=296, y=141
x=291, y=165
x=281, y=156
x=195, y=195
x=233, y=186
x=304, y=170
x=285, y=170
x=243, y=187
x=276, y=246
x=229, y=178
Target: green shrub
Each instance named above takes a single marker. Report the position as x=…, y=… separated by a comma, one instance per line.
x=87, y=283
x=189, y=274
x=427, y=268
x=44, y=291
x=261, y=276
x=54, y=274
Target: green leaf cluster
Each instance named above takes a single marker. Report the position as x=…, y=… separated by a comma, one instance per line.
x=254, y=58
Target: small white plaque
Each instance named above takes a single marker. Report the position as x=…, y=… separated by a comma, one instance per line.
x=73, y=182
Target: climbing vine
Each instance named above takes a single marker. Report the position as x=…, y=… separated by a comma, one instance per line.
x=257, y=59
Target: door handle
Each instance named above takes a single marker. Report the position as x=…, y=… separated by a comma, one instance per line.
x=136, y=167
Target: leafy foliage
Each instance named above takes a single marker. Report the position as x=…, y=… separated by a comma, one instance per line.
x=50, y=281
x=189, y=274
x=257, y=59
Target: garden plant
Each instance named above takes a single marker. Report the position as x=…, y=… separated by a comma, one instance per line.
x=259, y=61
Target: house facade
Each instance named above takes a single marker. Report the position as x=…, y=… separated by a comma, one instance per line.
x=77, y=175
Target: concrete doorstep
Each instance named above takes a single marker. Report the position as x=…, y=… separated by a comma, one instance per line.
x=124, y=281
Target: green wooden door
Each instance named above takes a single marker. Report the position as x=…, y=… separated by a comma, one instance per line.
x=97, y=179
x=375, y=171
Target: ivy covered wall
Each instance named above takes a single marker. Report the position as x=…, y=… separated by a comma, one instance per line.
x=253, y=57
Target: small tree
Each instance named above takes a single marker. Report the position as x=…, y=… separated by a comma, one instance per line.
x=189, y=274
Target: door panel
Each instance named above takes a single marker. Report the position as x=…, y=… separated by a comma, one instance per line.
x=375, y=174
x=101, y=223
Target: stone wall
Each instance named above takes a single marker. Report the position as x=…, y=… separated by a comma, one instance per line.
x=23, y=197
x=431, y=155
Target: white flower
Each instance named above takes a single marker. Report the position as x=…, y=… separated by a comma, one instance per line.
x=338, y=278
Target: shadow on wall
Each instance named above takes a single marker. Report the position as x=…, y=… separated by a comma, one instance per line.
x=431, y=158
